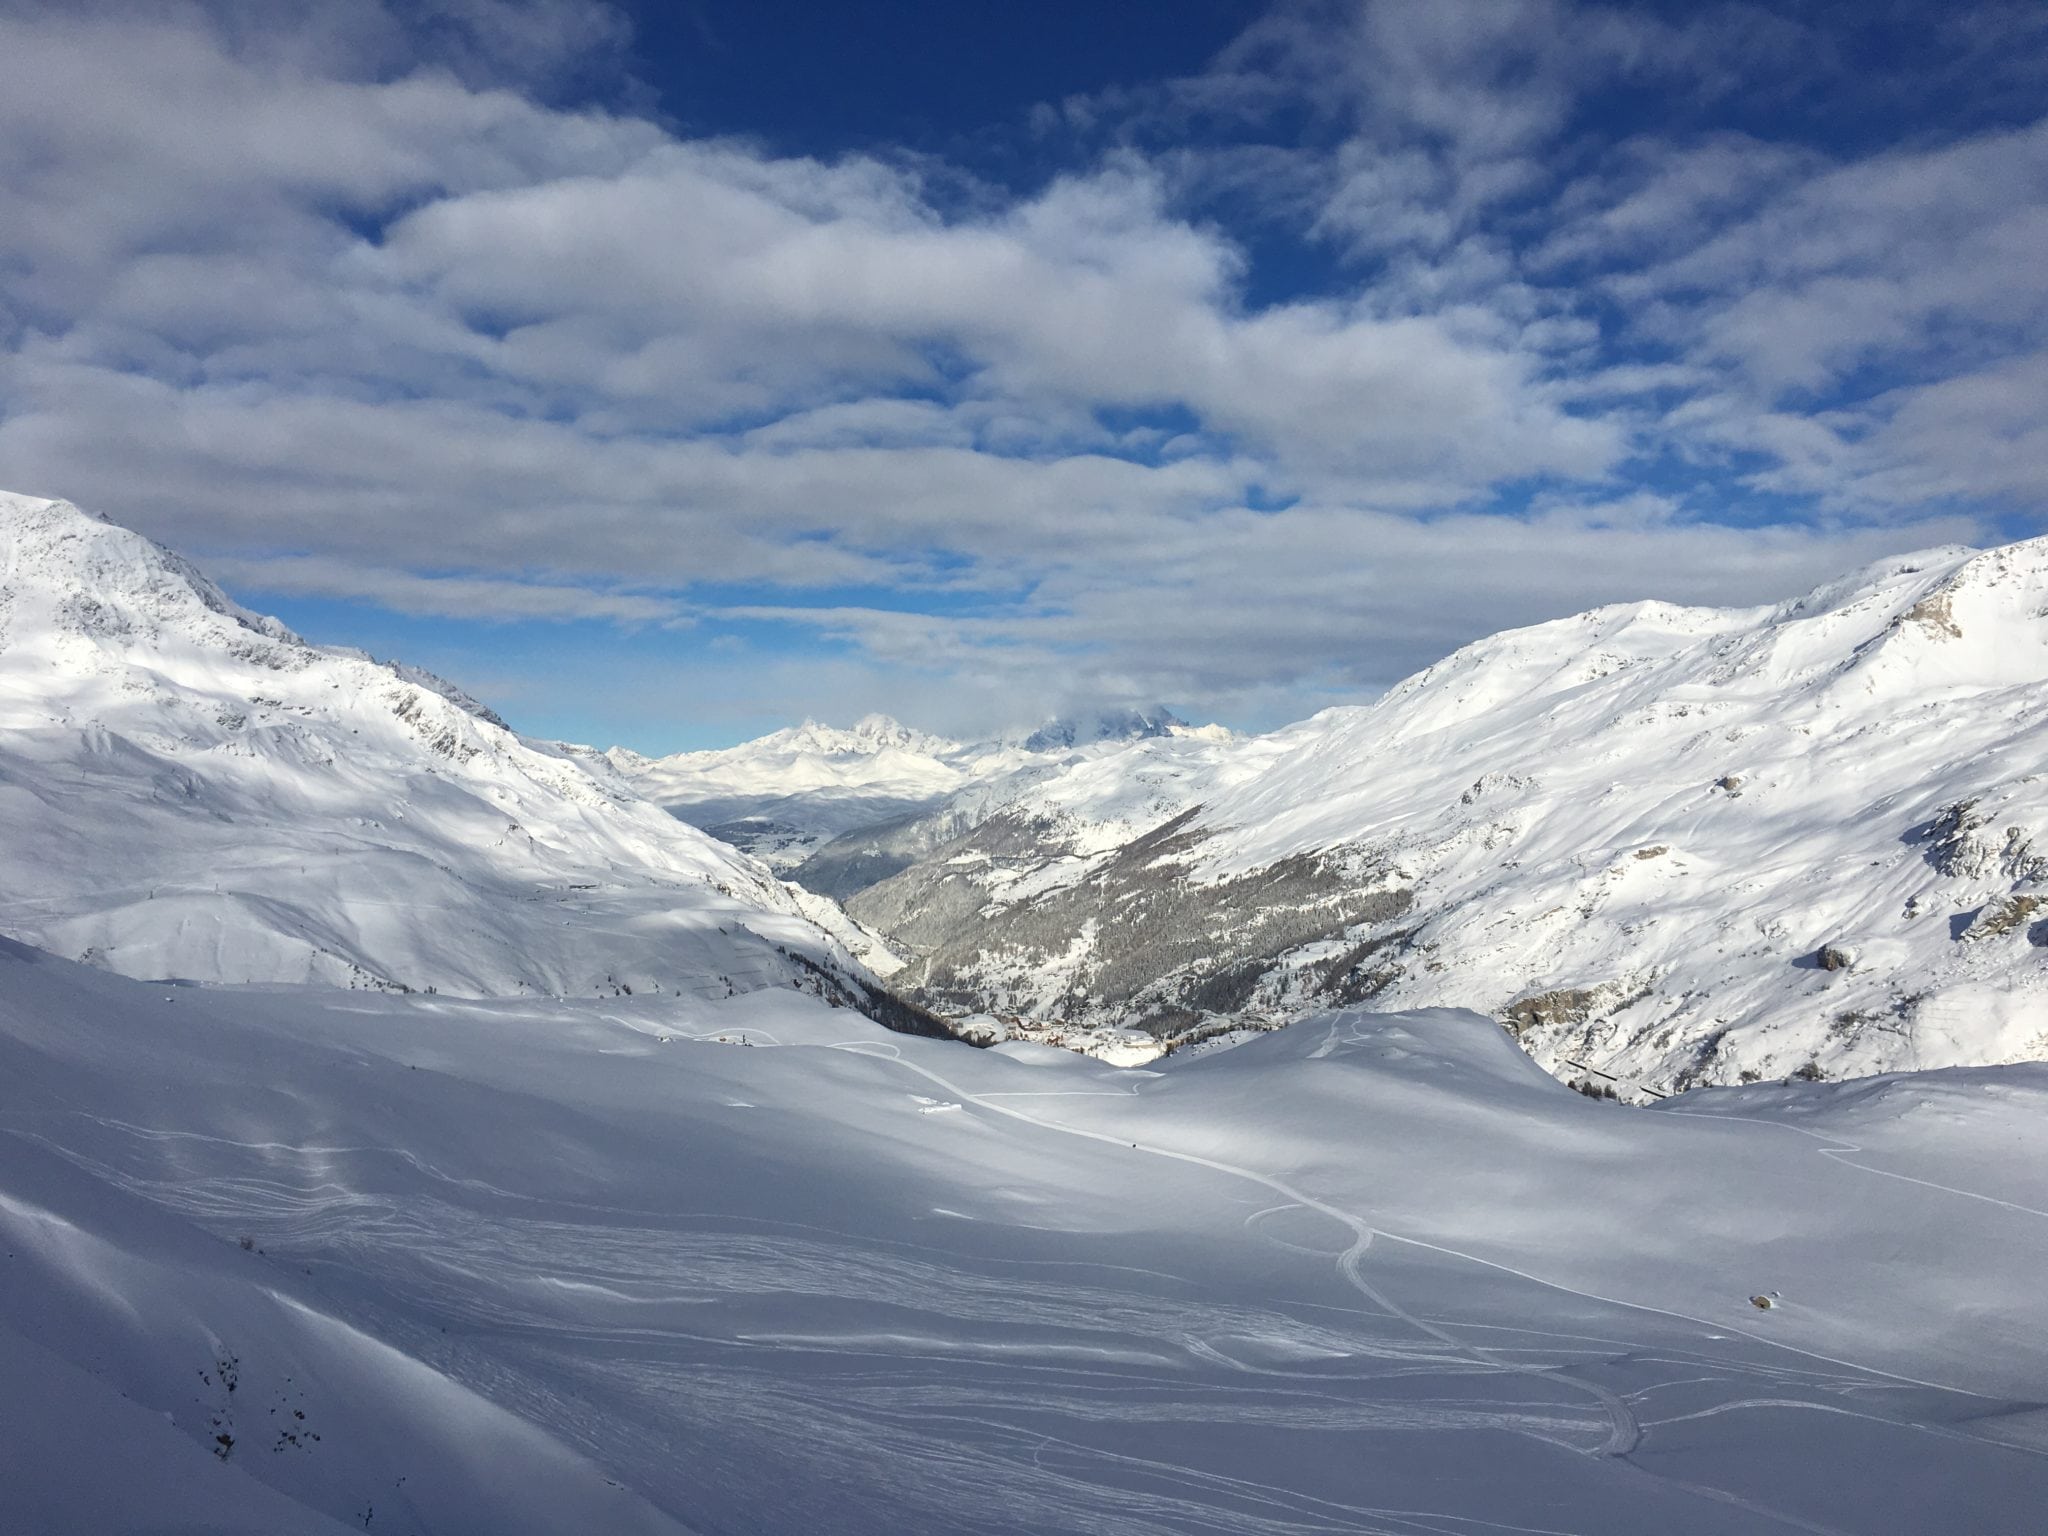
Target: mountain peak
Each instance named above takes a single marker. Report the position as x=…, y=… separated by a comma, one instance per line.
x=866, y=737
x=215, y=798
x=1064, y=733
x=82, y=576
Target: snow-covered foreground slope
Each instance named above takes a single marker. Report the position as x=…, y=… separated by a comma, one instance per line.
x=299, y=1260
x=188, y=789
x=1680, y=845
x=789, y=797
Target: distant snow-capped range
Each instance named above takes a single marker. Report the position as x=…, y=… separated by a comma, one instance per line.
x=1667, y=846
x=191, y=790
x=786, y=796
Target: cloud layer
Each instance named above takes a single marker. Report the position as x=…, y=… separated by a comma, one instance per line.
x=1399, y=324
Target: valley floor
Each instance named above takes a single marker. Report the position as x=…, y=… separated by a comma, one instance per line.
x=303, y=1261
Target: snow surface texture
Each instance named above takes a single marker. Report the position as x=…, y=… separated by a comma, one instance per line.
x=1675, y=845
x=188, y=789
x=295, y=1260
x=789, y=797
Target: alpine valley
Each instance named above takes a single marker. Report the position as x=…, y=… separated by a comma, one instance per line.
x=411, y=1126
x=1665, y=846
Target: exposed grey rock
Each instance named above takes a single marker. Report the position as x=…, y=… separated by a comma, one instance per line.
x=1963, y=842
x=1936, y=612
x=1545, y=1010
x=1999, y=918
x=1551, y=1019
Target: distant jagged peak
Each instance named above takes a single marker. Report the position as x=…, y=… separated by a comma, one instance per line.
x=870, y=734
x=879, y=740
x=872, y=737
x=1065, y=733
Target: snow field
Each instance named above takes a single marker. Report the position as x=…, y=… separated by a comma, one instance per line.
x=589, y=1266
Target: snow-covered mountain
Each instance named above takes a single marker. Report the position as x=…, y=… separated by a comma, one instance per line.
x=190, y=790
x=1675, y=845
x=293, y=1259
x=1114, y=727
x=786, y=797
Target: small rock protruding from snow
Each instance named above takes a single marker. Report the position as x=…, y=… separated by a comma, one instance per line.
x=1998, y=918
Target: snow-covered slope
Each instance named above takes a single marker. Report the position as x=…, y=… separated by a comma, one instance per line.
x=273, y=1263
x=788, y=796
x=1677, y=845
x=188, y=789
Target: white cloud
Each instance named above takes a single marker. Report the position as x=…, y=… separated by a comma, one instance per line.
x=453, y=597
x=1266, y=617
x=358, y=316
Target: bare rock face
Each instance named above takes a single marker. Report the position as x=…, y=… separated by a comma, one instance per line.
x=1835, y=957
x=1553, y=1010
x=1559, y=1023
x=1936, y=614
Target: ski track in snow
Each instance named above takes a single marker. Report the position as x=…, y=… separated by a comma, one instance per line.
x=1624, y=1431
x=1837, y=1152
x=1000, y=1349
x=611, y=1266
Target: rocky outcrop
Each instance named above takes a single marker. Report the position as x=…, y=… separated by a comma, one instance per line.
x=1967, y=841
x=1999, y=918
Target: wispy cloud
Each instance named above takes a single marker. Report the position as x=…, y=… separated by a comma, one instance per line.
x=444, y=596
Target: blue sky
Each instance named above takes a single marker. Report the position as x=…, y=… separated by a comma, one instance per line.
x=665, y=373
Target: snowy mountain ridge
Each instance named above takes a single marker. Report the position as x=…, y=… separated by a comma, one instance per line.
x=1674, y=845
x=787, y=796
x=191, y=790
